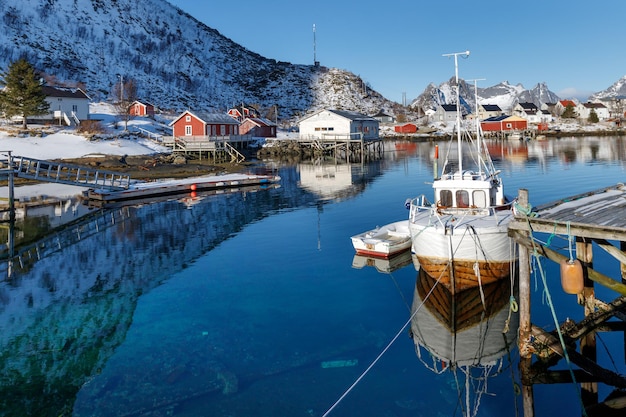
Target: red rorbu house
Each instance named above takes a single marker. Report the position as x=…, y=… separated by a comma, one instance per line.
x=141, y=109
x=242, y=112
x=204, y=125
x=406, y=128
x=257, y=127
x=503, y=123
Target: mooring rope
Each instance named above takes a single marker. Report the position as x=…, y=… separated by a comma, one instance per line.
x=380, y=355
x=556, y=322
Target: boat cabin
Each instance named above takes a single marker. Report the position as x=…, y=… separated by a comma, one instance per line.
x=468, y=190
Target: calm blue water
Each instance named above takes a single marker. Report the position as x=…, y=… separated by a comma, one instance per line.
x=244, y=304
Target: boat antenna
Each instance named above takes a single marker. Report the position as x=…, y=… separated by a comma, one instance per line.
x=458, y=104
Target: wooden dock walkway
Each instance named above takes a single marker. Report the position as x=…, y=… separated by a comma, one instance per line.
x=60, y=172
x=591, y=219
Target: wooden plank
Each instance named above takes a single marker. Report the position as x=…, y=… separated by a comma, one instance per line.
x=557, y=257
x=544, y=339
x=574, y=228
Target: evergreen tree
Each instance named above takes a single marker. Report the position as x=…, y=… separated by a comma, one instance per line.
x=569, y=112
x=593, y=117
x=21, y=92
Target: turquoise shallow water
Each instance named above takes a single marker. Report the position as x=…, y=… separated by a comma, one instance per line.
x=253, y=304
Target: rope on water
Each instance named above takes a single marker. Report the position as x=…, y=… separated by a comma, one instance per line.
x=380, y=355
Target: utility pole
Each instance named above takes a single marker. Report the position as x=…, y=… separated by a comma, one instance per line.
x=315, y=61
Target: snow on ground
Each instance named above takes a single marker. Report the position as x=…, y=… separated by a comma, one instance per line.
x=66, y=143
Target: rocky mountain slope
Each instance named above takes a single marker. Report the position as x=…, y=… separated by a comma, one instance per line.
x=178, y=62
x=505, y=95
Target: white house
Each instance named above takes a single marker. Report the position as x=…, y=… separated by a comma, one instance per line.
x=528, y=111
x=338, y=124
x=445, y=113
x=485, y=111
x=584, y=110
x=67, y=105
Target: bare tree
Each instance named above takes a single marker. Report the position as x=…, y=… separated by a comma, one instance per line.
x=124, y=94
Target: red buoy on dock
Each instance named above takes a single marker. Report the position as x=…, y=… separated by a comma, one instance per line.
x=572, y=279
x=193, y=187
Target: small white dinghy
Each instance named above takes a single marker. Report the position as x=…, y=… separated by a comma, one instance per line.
x=384, y=241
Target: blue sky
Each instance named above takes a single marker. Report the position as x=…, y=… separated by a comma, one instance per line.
x=574, y=47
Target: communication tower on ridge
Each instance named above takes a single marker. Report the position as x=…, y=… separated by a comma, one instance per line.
x=315, y=61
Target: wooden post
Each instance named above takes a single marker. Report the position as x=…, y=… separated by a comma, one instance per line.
x=524, y=314
x=622, y=267
x=584, y=253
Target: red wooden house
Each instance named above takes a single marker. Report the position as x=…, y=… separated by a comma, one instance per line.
x=503, y=123
x=141, y=109
x=204, y=124
x=257, y=127
x=406, y=128
x=242, y=112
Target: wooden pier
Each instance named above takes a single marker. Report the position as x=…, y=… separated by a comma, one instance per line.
x=216, y=148
x=340, y=147
x=593, y=219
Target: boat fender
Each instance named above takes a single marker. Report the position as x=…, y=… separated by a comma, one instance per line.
x=572, y=279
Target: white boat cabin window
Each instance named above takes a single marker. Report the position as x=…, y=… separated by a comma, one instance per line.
x=462, y=199
x=445, y=198
x=480, y=198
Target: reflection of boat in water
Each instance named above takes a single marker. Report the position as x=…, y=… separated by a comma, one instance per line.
x=383, y=241
x=463, y=237
x=468, y=333
x=383, y=265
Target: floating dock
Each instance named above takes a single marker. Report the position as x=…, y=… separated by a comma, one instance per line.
x=142, y=190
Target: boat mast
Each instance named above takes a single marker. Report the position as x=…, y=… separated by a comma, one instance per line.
x=478, y=135
x=458, y=105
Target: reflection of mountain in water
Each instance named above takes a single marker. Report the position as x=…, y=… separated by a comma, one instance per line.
x=63, y=315
x=467, y=334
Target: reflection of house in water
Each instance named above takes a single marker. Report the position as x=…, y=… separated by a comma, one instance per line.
x=335, y=180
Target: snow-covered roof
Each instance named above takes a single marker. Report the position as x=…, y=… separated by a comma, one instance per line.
x=50, y=91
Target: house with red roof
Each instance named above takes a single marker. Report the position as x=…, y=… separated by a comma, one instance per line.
x=503, y=123
x=561, y=105
x=405, y=128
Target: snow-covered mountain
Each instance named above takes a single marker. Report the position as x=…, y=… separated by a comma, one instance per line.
x=618, y=89
x=176, y=61
x=505, y=95
x=180, y=63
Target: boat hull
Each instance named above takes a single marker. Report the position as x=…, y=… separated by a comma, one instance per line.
x=383, y=242
x=463, y=251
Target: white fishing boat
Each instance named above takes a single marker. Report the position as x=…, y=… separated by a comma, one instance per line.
x=461, y=238
x=384, y=241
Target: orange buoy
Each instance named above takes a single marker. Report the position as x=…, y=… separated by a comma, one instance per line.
x=193, y=194
x=436, y=151
x=193, y=187
x=572, y=279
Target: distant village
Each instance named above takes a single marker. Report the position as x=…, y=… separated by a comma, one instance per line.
x=70, y=107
